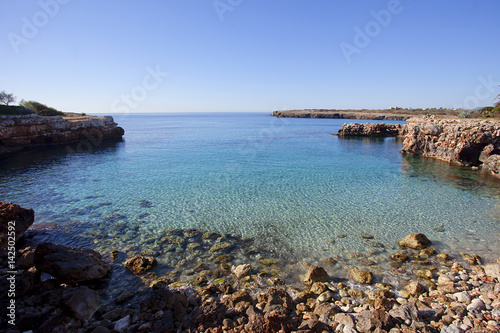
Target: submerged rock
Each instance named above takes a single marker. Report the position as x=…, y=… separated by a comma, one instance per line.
x=358, y=275
x=140, y=264
x=416, y=241
x=70, y=264
x=241, y=270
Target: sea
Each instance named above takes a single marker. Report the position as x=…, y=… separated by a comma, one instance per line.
x=286, y=187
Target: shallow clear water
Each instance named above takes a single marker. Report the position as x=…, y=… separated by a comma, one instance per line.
x=287, y=182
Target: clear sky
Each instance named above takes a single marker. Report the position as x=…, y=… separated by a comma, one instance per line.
x=250, y=55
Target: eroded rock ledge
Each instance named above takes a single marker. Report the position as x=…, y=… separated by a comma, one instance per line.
x=372, y=129
x=467, y=142
x=19, y=133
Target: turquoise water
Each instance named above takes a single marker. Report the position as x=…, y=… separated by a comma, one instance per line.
x=288, y=183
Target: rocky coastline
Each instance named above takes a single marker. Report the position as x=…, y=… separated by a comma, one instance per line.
x=373, y=130
x=61, y=288
x=465, y=142
x=342, y=114
x=25, y=132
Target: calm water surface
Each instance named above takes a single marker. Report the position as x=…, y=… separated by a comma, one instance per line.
x=288, y=183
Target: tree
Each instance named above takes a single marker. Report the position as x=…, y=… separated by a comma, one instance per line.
x=6, y=98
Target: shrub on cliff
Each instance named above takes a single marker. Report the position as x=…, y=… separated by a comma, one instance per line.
x=14, y=110
x=41, y=109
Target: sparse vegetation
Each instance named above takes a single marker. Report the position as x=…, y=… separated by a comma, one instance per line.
x=6, y=98
x=41, y=109
x=10, y=110
x=465, y=114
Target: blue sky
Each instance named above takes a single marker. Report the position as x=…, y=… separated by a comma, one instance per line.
x=249, y=55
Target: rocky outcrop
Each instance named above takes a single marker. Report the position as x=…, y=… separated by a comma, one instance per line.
x=467, y=142
x=24, y=132
x=372, y=129
x=14, y=218
x=70, y=265
x=341, y=114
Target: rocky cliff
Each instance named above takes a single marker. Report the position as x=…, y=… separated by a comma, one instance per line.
x=23, y=132
x=372, y=129
x=341, y=114
x=467, y=142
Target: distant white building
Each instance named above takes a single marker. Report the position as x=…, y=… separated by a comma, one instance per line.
x=395, y=108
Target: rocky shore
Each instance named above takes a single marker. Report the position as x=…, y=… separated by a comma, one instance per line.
x=60, y=288
x=373, y=130
x=25, y=132
x=342, y=114
x=466, y=142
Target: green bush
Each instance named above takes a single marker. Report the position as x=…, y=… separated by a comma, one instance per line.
x=41, y=109
x=14, y=110
x=465, y=114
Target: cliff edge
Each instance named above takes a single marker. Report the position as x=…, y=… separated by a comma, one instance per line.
x=23, y=132
x=467, y=142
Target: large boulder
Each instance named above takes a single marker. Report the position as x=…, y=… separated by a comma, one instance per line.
x=416, y=241
x=14, y=218
x=68, y=264
x=81, y=302
x=315, y=274
x=492, y=164
x=358, y=275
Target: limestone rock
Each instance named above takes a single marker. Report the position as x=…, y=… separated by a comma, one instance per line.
x=369, y=321
x=241, y=270
x=416, y=241
x=81, y=302
x=122, y=325
x=27, y=258
x=493, y=271
x=140, y=264
x=399, y=257
x=371, y=129
x=21, y=132
x=407, y=312
x=70, y=264
x=471, y=259
x=14, y=218
x=415, y=288
x=358, y=275
x=315, y=274
x=461, y=141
